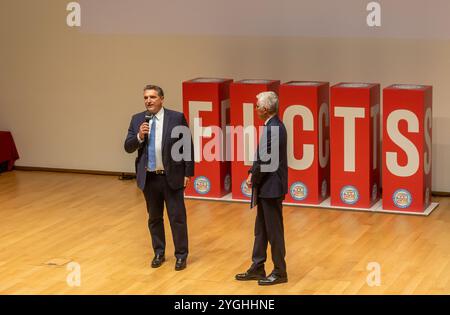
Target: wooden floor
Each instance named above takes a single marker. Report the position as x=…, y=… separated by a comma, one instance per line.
x=50, y=219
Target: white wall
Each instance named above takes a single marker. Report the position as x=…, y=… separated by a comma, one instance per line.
x=67, y=95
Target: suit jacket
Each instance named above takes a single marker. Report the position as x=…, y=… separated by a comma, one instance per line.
x=175, y=170
x=272, y=184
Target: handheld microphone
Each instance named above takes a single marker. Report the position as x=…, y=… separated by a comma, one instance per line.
x=148, y=117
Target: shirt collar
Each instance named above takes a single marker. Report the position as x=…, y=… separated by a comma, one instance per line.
x=267, y=120
x=159, y=115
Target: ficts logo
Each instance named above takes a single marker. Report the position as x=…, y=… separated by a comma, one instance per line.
x=299, y=191
x=247, y=191
x=227, y=182
x=202, y=185
x=324, y=190
x=349, y=195
x=402, y=198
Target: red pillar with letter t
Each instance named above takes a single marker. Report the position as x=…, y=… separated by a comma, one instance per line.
x=355, y=144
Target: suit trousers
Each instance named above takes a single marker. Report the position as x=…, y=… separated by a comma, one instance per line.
x=157, y=192
x=269, y=229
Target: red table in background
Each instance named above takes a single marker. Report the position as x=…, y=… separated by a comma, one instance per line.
x=8, y=151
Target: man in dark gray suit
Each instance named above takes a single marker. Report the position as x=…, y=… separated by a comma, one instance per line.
x=268, y=179
x=160, y=173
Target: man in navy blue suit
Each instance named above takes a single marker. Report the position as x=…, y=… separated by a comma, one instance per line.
x=160, y=172
x=268, y=179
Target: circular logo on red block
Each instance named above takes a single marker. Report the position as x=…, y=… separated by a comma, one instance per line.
x=299, y=191
x=247, y=191
x=202, y=185
x=349, y=195
x=402, y=198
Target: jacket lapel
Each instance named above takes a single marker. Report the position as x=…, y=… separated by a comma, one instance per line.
x=166, y=123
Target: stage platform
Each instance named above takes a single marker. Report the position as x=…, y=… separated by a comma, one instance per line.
x=377, y=207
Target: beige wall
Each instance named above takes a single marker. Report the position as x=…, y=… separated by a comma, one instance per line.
x=67, y=96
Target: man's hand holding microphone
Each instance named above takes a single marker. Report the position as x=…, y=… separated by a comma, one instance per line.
x=144, y=129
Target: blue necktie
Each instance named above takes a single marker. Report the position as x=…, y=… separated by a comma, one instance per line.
x=151, y=146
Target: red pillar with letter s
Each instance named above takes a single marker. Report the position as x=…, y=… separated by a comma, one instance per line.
x=407, y=147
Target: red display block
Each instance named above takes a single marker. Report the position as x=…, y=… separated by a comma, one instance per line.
x=305, y=112
x=206, y=106
x=355, y=144
x=407, y=121
x=244, y=133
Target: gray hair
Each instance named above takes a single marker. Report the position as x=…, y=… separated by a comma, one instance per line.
x=156, y=88
x=269, y=100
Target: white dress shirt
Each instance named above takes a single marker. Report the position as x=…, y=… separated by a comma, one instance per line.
x=159, y=117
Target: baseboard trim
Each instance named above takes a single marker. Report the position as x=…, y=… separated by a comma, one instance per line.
x=66, y=170
x=440, y=193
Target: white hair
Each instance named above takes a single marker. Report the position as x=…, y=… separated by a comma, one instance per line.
x=269, y=100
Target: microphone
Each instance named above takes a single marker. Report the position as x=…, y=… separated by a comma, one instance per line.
x=148, y=117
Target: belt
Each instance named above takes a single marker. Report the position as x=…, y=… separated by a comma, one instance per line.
x=157, y=172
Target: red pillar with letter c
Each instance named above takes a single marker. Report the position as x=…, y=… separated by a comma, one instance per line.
x=304, y=108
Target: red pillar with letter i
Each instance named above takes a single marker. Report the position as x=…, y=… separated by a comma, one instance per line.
x=407, y=147
x=304, y=108
x=206, y=106
x=243, y=135
x=355, y=145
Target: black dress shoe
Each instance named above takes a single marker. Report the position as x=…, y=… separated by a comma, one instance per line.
x=273, y=279
x=157, y=261
x=251, y=275
x=180, y=264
